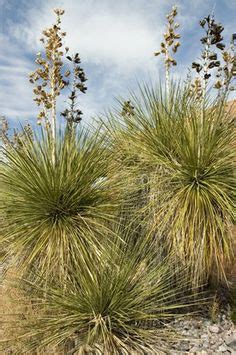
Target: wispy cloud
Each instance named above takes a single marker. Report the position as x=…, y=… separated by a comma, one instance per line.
x=116, y=41
x=15, y=93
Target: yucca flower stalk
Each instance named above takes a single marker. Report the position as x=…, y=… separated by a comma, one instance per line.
x=52, y=77
x=73, y=114
x=211, y=42
x=55, y=213
x=16, y=137
x=224, y=77
x=189, y=167
x=48, y=77
x=171, y=42
x=121, y=306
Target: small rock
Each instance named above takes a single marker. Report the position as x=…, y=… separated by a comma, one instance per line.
x=184, y=346
x=229, y=339
x=215, y=346
x=232, y=345
x=205, y=345
x=215, y=339
x=214, y=329
x=222, y=348
x=193, y=350
x=227, y=326
x=185, y=332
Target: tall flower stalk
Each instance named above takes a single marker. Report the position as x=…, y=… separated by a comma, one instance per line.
x=73, y=114
x=170, y=44
x=51, y=77
x=209, y=56
x=225, y=73
x=48, y=78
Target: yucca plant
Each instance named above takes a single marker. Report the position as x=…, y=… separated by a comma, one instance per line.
x=121, y=306
x=189, y=168
x=55, y=215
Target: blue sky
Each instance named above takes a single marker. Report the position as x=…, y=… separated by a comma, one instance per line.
x=115, y=39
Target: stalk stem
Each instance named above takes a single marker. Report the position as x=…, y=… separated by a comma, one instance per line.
x=53, y=110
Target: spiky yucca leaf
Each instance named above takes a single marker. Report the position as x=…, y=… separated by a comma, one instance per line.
x=116, y=307
x=189, y=166
x=54, y=213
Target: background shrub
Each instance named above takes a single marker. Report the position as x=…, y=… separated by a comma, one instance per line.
x=188, y=167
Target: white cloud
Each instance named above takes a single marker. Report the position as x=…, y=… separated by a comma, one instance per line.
x=120, y=36
x=116, y=41
x=15, y=91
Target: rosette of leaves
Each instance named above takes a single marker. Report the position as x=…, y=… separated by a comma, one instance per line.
x=120, y=307
x=189, y=168
x=55, y=212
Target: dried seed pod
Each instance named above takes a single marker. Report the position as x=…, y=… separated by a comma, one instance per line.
x=221, y=46
x=67, y=73
x=218, y=85
x=202, y=23
x=59, y=12
x=127, y=109
x=207, y=76
x=213, y=56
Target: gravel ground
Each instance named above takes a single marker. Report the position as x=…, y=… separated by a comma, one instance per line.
x=205, y=337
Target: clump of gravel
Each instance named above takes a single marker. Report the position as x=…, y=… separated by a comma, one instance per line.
x=202, y=336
